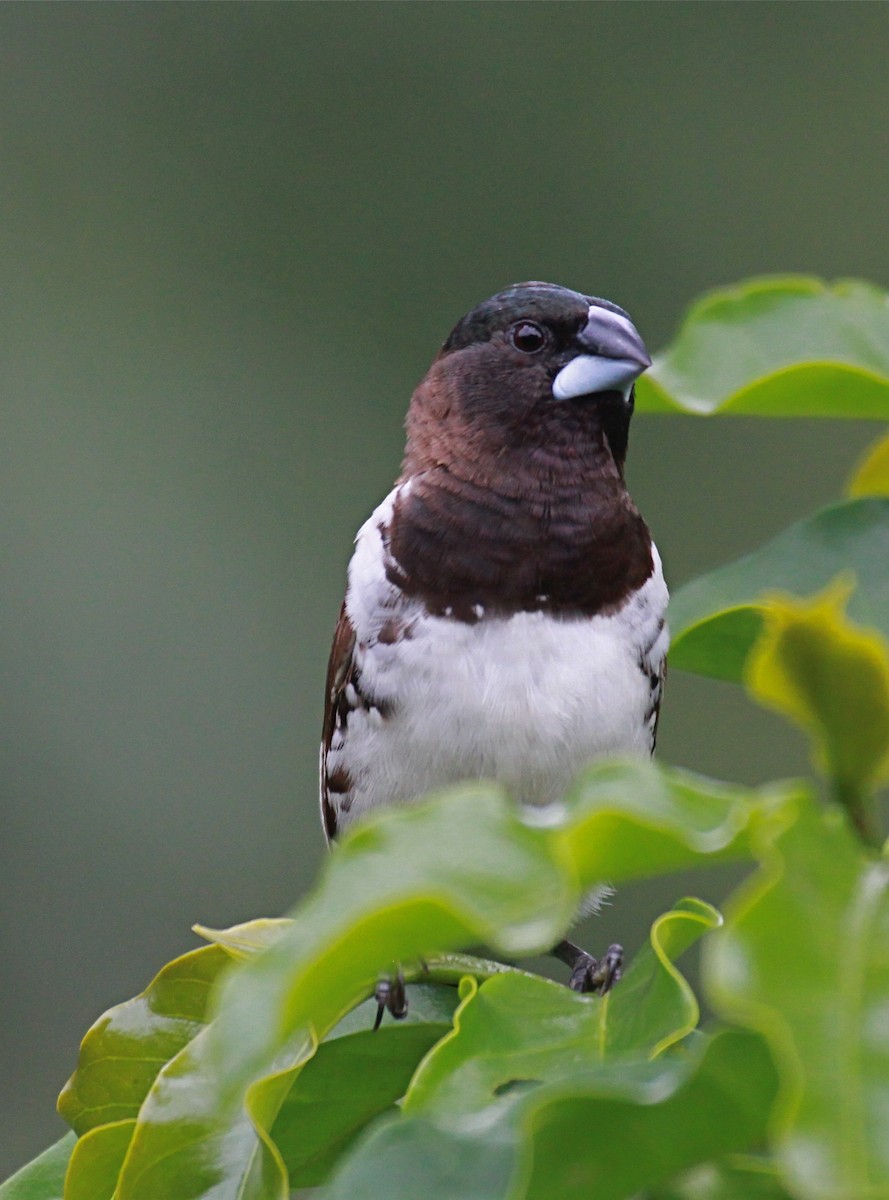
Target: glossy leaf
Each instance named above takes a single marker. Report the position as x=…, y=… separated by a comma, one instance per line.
x=789, y=346
x=405, y=887
x=871, y=477
x=120, y=1059
x=96, y=1162
x=613, y=1145
x=241, y=941
x=635, y=819
x=655, y=1007
x=400, y=888
x=358, y=1074
x=448, y=886
x=716, y=619
x=232, y=1157
x=43, y=1178
x=831, y=678
x=351, y=1080
x=420, y=1159
x=123, y=1052
x=516, y=1031
x=804, y=958
x=608, y=1132
x=428, y=1003
x=397, y=889
x=741, y=1177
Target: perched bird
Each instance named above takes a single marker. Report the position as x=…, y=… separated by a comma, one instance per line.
x=504, y=616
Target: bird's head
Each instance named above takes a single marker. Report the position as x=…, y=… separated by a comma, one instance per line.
x=536, y=366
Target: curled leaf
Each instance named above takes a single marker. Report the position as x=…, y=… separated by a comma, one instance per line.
x=716, y=618
x=871, y=477
x=788, y=346
x=803, y=959
x=831, y=678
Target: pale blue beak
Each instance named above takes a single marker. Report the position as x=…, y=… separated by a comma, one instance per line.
x=612, y=356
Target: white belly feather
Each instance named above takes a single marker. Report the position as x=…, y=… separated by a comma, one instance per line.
x=526, y=700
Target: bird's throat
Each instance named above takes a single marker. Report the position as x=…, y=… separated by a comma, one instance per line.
x=555, y=537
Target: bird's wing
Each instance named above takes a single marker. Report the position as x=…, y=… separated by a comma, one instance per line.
x=340, y=669
x=653, y=662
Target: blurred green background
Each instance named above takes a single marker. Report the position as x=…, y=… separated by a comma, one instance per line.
x=233, y=238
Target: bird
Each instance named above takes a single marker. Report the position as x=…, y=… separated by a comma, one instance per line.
x=505, y=610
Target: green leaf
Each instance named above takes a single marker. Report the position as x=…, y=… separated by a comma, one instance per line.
x=43, y=1178
x=654, y=1008
x=581, y=1141
x=406, y=886
x=351, y=1080
x=520, y=1030
x=419, y=1159
x=240, y=941
x=358, y=1074
x=123, y=1052
x=871, y=477
x=741, y=1177
x=831, y=678
x=96, y=1162
x=231, y=1157
x=606, y=1133
x=716, y=619
x=636, y=819
x=804, y=958
x=401, y=887
x=789, y=346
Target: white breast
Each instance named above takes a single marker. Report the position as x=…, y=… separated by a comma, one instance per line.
x=526, y=699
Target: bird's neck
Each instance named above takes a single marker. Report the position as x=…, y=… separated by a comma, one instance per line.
x=518, y=444
x=528, y=530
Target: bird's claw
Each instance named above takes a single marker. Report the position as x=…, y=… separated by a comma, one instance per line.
x=390, y=994
x=590, y=974
x=597, y=974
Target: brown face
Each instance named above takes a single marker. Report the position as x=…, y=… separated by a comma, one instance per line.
x=536, y=366
x=516, y=441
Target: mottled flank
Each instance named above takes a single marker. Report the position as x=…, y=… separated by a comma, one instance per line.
x=653, y=663
x=340, y=669
x=346, y=694
x=392, y=631
x=339, y=782
x=328, y=812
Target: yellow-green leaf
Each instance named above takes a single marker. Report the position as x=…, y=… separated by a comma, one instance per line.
x=716, y=618
x=832, y=679
x=96, y=1161
x=123, y=1052
x=871, y=477
x=240, y=941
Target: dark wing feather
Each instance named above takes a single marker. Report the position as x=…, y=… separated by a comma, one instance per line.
x=655, y=667
x=340, y=669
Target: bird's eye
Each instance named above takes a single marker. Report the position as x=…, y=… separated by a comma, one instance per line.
x=527, y=337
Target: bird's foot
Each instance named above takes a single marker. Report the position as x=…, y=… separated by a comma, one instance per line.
x=390, y=994
x=590, y=974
